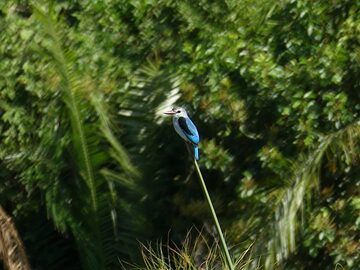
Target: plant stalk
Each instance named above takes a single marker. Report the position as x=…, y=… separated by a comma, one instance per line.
x=217, y=224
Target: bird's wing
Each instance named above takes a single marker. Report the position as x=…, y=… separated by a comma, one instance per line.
x=189, y=129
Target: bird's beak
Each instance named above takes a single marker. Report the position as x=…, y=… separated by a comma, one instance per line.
x=171, y=112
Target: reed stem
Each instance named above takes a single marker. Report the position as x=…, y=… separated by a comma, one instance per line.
x=217, y=224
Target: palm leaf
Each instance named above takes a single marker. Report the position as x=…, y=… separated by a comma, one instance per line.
x=95, y=220
x=306, y=179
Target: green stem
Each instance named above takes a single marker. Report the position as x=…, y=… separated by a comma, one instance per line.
x=217, y=224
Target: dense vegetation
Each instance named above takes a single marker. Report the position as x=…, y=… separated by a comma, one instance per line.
x=89, y=167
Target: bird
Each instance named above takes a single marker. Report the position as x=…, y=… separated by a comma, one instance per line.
x=185, y=128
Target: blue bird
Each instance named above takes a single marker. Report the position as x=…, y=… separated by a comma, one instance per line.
x=185, y=128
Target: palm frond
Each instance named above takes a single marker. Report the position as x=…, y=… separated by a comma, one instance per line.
x=118, y=153
x=343, y=146
x=100, y=216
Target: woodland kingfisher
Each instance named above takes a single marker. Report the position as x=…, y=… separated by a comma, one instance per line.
x=185, y=128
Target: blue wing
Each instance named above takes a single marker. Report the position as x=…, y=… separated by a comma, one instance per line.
x=189, y=129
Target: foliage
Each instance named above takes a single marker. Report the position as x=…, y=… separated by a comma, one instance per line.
x=75, y=148
x=272, y=85
x=192, y=254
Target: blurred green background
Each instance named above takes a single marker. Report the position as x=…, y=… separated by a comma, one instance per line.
x=89, y=167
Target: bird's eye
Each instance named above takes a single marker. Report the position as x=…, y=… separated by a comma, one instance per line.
x=178, y=112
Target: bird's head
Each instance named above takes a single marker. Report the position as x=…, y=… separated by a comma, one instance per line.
x=176, y=111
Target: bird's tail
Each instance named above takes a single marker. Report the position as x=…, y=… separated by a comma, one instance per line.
x=196, y=152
